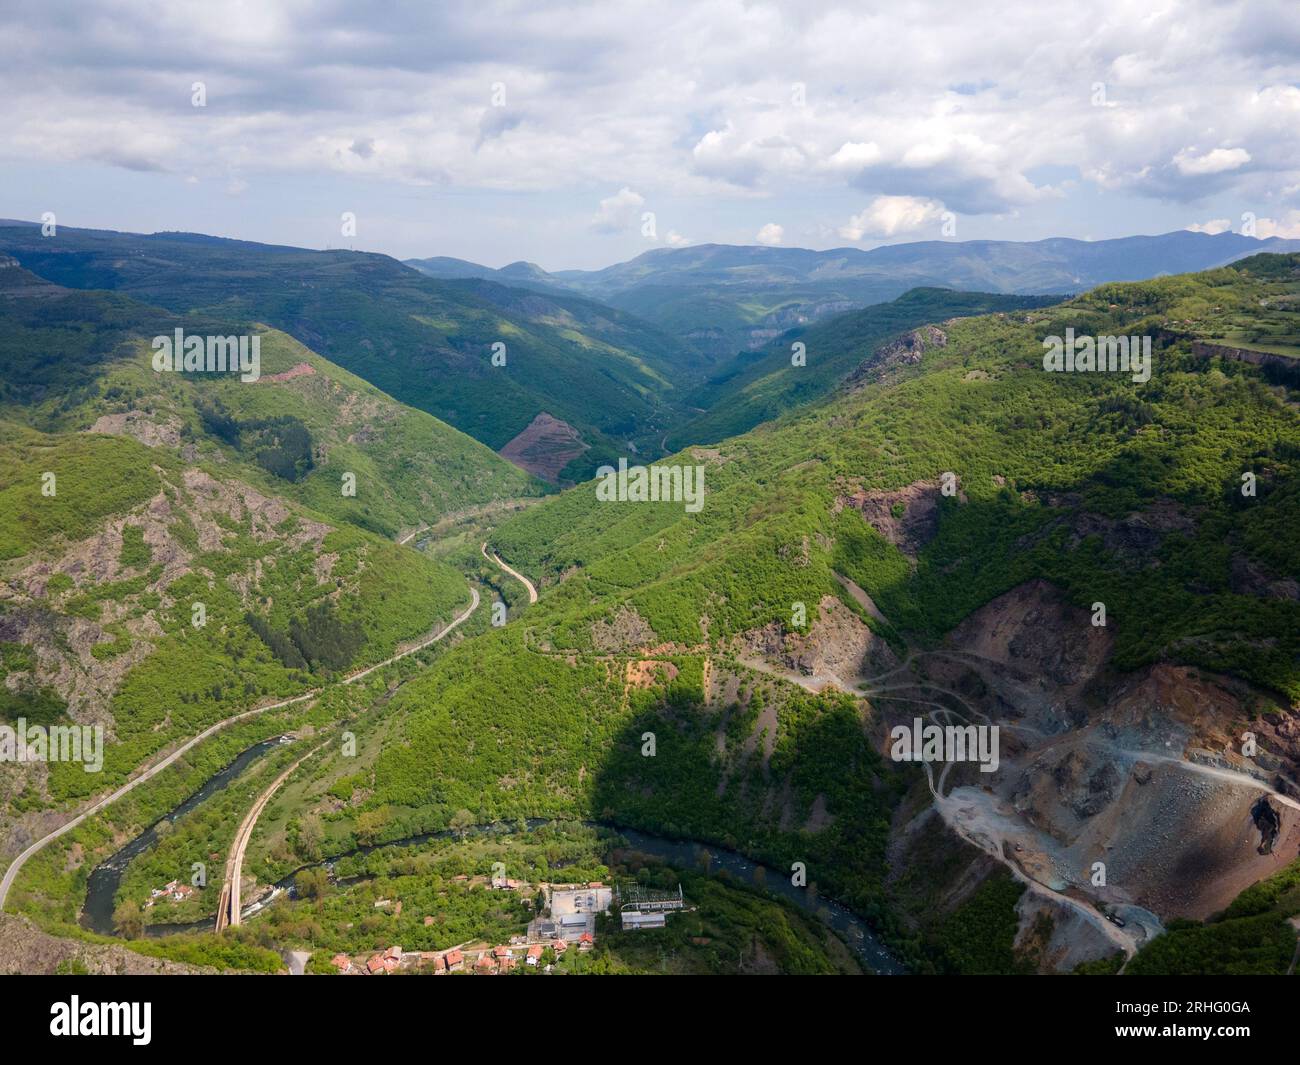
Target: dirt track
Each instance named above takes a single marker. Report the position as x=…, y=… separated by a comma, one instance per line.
x=493, y=556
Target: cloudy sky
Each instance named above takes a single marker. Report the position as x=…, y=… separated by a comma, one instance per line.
x=576, y=135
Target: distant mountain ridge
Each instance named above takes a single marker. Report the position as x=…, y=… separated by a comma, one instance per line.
x=1051, y=265
x=726, y=298
x=1048, y=266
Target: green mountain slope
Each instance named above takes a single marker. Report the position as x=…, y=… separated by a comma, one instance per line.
x=629, y=692
x=129, y=496
x=76, y=361
x=157, y=596
x=426, y=342
x=1030, y=450
x=760, y=386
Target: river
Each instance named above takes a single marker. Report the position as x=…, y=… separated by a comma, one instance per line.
x=105, y=879
x=865, y=945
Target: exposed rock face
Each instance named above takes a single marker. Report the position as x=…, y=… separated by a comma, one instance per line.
x=907, y=350
x=35, y=591
x=838, y=649
x=25, y=949
x=1033, y=631
x=1087, y=790
x=1248, y=578
x=1268, y=819
x=626, y=631
x=907, y=517
x=1135, y=539
x=165, y=432
x=1138, y=774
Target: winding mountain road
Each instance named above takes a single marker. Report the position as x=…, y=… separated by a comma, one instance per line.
x=974, y=820
x=11, y=874
x=228, y=908
x=493, y=556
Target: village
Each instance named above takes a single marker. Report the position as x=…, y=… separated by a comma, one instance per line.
x=173, y=890
x=566, y=921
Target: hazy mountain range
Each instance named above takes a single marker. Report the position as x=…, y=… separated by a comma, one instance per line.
x=726, y=298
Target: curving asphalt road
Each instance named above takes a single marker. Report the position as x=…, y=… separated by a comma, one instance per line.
x=11, y=874
x=229, y=907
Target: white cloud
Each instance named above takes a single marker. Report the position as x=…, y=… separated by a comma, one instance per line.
x=725, y=154
x=891, y=216
x=1214, y=225
x=618, y=212
x=853, y=156
x=1287, y=227
x=1212, y=162
x=771, y=234
x=676, y=240
x=692, y=105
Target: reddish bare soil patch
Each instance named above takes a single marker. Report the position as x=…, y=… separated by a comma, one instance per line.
x=545, y=447
x=303, y=369
x=647, y=673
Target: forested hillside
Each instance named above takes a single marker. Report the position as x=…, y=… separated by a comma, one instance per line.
x=179, y=546
x=806, y=364
x=723, y=299
x=1115, y=492
x=77, y=361
x=428, y=343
